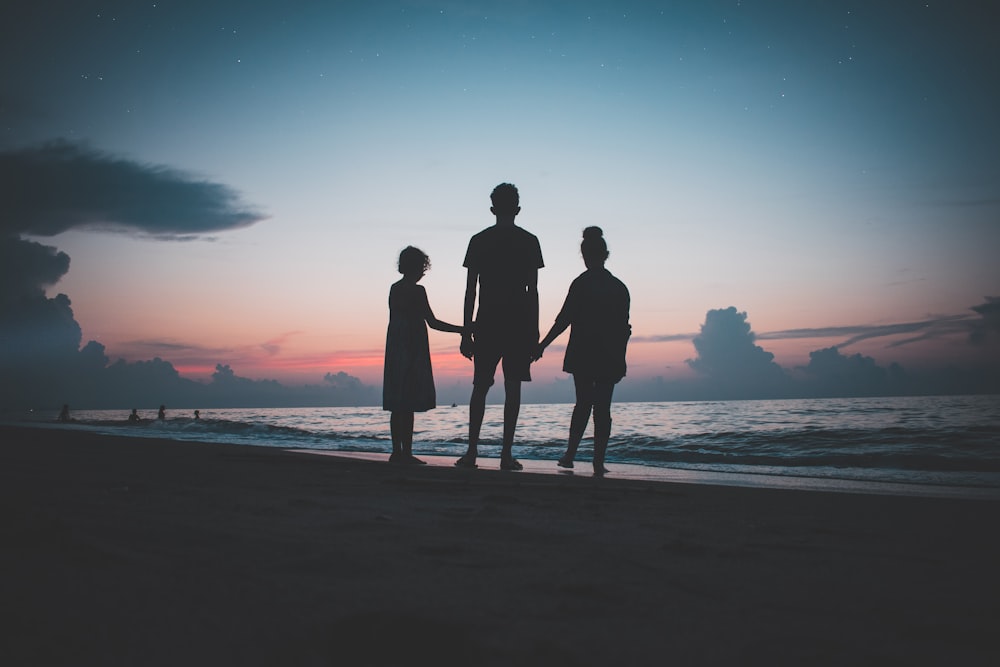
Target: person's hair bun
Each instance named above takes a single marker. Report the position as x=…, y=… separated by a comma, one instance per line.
x=593, y=233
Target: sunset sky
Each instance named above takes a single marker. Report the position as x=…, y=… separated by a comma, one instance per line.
x=830, y=169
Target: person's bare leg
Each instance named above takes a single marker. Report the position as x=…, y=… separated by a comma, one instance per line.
x=407, y=440
x=602, y=424
x=396, y=428
x=511, y=411
x=477, y=410
x=578, y=422
x=577, y=425
x=602, y=433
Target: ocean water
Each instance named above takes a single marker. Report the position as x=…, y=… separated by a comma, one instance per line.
x=937, y=440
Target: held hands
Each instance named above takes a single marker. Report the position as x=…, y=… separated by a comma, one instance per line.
x=467, y=347
x=468, y=344
x=536, y=354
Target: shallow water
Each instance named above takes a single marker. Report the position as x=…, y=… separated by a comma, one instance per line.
x=943, y=440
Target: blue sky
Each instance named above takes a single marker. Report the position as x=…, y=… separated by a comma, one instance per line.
x=819, y=167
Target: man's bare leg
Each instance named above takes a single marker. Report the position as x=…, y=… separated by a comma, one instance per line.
x=477, y=410
x=511, y=411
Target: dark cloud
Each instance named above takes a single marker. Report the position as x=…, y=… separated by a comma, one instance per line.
x=139, y=383
x=730, y=359
x=160, y=347
x=661, y=338
x=39, y=337
x=978, y=330
x=831, y=373
x=726, y=346
x=27, y=268
x=930, y=328
x=730, y=363
x=60, y=186
x=87, y=381
x=227, y=389
x=342, y=380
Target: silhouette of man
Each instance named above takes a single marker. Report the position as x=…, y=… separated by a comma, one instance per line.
x=503, y=262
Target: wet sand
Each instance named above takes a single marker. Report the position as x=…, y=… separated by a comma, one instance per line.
x=121, y=551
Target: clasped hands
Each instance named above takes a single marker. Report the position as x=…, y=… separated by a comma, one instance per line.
x=468, y=347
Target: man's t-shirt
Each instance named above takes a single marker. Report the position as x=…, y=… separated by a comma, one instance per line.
x=506, y=258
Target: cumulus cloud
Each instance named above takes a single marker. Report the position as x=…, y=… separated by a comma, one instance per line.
x=39, y=336
x=832, y=373
x=27, y=268
x=342, y=380
x=729, y=357
x=50, y=189
x=227, y=389
x=979, y=328
x=726, y=347
x=60, y=186
x=731, y=364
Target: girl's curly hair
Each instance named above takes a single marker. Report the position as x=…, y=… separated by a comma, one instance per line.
x=413, y=260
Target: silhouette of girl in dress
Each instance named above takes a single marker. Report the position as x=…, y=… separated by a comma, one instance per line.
x=408, y=382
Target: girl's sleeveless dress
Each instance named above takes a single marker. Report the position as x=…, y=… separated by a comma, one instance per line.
x=408, y=382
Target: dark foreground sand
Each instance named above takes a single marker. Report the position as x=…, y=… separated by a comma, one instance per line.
x=146, y=552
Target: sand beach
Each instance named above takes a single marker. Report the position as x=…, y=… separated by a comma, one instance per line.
x=128, y=551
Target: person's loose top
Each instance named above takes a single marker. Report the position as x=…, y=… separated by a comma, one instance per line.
x=507, y=259
x=408, y=382
x=597, y=310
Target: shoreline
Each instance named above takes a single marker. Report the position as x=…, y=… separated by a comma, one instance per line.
x=156, y=552
x=662, y=474
x=627, y=471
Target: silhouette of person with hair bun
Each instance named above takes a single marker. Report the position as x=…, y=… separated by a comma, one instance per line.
x=597, y=309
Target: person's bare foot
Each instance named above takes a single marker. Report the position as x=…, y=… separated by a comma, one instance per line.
x=466, y=461
x=510, y=464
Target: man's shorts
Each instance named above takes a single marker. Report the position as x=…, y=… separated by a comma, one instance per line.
x=490, y=349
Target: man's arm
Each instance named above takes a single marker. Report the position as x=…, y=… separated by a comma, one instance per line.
x=471, y=282
x=563, y=320
x=533, y=301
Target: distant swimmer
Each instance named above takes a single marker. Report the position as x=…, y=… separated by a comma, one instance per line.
x=162, y=414
x=134, y=417
x=197, y=414
x=64, y=414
